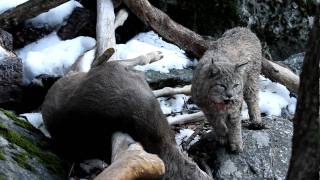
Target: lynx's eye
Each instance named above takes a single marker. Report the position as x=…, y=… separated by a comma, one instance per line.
x=236, y=85
x=221, y=86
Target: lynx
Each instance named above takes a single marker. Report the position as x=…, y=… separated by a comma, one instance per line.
x=225, y=75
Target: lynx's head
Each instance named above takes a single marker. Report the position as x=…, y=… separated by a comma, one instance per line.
x=225, y=81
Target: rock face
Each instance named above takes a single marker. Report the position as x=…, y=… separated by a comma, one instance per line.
x=24, y=151
x=295, y=62
x=266, y=153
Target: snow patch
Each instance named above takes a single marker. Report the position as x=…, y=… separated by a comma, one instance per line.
x=50, y=55
x=8, y=4
x=143, y=43
x=184, y=134
x=173, y=104
x=36, y=120
x=55, y=16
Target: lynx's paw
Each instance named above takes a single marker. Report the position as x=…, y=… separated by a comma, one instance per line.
x=154, y=56
x=236, y=148
x=258, y=126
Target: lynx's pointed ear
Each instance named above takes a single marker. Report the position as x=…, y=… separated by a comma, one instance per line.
x=213, y=70
x=240, y=67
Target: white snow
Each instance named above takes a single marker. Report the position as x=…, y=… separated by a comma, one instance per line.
x=184, y=134
x=143, y=43
x=50, y=55
x=36, y=120
x=8, y=4
x=173, y=104
x=55, y=16
x=273, y=97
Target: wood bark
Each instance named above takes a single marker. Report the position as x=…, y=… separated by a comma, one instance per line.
x=186, y=39
x=305, y=160
x=186, y=118
x=27, y=10
x=105, y=27
x=280, y=74
x=193, y=43
x=168, y=91
x=130, y=161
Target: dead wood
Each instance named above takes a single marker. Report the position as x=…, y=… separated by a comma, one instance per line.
x=186, y=118
x=168, y=91
x=105, y=27
x=27, y=10
x=130, y=161
x=280, y=74
x=77, y=22
x=193, y=43
x=186, y=39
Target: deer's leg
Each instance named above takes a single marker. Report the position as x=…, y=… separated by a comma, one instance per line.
x=143, y=59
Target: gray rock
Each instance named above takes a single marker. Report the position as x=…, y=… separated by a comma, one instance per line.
x=24, y=151
x=295, y=62
x=175, y=77
x=11, y=81
x=266, y=153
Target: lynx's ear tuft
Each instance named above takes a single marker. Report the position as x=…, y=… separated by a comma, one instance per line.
x=240, y=67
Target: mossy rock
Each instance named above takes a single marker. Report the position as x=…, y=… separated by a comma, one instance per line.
x=25, y=152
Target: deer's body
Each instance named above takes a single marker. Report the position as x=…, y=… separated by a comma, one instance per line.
x=83, y=110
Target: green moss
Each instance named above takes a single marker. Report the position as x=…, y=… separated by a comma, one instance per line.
x=2, y=156
x=2, y=176
x=49, y=160
x=18, y=121
x=22, y=160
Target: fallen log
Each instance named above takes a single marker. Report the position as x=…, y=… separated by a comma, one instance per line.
x=194, y=44
x=27, y=10
x=130, y=161
x=186, y=118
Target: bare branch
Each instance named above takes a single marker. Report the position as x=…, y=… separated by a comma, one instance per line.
x=186, y=118
x=105, y=27
x=27, y=10
x=121, y=17
x=131, y=162
x=278, y=73
x=168, y=91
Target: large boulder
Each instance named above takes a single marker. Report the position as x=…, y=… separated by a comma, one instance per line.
x=266, y=153
x=25, y=153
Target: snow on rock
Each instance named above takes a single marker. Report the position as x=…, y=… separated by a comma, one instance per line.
x=273, y=97
x=184, y=134
x=143, y=43
x=173, y=104
x=8, y=4
x=55, y=16
x=36, y=120
x=50, y=55
x=52, y=18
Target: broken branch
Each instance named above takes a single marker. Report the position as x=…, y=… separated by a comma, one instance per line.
x=131, y=162
x=186, y=118
x=27, y=10
x=168, y=91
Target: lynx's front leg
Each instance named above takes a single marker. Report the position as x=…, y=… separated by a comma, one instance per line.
x=234, y=135
x=251, y=97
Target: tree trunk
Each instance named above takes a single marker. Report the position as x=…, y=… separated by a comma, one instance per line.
x=27, y=10
x=305, y=160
